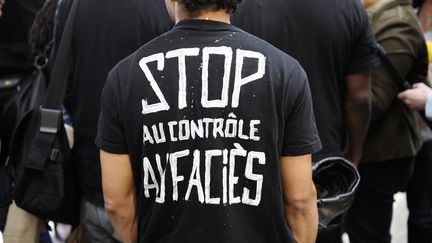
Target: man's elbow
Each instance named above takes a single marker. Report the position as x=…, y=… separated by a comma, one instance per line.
x=361, y=101
x=116, y=210
x=302, y=204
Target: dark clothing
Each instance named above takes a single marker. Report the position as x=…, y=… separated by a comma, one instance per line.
x=15, y=61
x=106, y=31
x=419, y=197
x=396, y=28
x=331, y=39
x=370, y=215
x=394, y=134
x=224, y=113
x=95, y=226
x=17, y=18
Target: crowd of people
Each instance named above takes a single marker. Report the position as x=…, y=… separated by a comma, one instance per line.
x=201, y=120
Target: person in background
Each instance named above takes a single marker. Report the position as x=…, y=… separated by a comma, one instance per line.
x=106, y=31
x=420, y=96
x=333, y=41
x=15, y=53
x=394, y=136
x=206, y=135
x=419, y=191
x=16, y=18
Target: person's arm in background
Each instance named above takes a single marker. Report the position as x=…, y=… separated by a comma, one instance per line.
x=119, y=194
x=300, y=197
x=357, y=113
x=357, y=100
x=1, y=6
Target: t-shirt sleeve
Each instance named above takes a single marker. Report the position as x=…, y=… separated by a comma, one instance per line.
x=300, y=132
x=111, y=133
x=363, y=57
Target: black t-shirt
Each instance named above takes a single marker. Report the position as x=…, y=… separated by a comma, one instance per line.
x=331, y=39
x=205, y=111
x=15, y=23
x=106, y=31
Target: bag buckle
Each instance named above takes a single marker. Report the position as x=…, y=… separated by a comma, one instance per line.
x=56, y=155
x=49, y=120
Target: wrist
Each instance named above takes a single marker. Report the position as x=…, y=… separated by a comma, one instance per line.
x=428, y=106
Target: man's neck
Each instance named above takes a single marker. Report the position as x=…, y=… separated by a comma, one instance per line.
x=425, y=16
x=206, y=14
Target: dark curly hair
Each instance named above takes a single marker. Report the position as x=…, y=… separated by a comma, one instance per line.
x=194, y=6
x=41, y=31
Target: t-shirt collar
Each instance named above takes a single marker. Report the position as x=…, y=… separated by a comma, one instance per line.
x=206, y=25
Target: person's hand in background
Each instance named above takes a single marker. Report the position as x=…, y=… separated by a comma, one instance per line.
x=416, y=97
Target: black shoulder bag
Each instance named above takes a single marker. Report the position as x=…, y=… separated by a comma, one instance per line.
x=45, y=176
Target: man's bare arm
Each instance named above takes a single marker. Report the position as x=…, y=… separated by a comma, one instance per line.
x=300, y=199
x=358, y=112
x=119, y=194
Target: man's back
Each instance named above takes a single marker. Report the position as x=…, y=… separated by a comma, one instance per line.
x=330, y=39
x=204, y=112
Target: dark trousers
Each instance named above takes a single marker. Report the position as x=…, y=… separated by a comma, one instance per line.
x=331, y=236
x=419, y=198
x=95, y=225
x=369, y=218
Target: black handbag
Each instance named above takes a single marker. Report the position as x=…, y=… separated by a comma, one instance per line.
x=45, y=177
x=29, y=93
x=9, y=86
x=336, y=180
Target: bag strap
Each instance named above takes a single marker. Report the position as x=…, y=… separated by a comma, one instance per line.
x=383, y=56
x=395, y=75
x=50, y=112
x=62, y=64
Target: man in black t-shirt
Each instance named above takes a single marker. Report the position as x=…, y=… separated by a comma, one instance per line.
x=206, y=134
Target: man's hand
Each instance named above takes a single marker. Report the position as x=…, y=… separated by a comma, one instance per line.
x=300, y=198
x=415, y=98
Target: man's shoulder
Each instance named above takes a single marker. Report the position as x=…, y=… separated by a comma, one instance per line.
x=398, y=21
x=396, y=14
